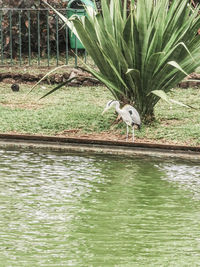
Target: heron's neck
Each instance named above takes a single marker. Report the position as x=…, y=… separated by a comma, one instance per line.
x=117, y=106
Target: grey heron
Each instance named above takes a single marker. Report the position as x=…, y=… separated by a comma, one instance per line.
x=128, y=113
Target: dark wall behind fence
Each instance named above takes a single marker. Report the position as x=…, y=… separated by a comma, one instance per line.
x=33, y=36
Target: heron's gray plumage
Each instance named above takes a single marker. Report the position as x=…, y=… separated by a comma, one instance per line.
x=134, y=114
x=128, y=113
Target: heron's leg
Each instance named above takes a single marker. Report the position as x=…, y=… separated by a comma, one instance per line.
x=133, y=136
x=127, y=132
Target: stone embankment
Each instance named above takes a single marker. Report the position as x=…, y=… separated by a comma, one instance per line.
x=83, y=78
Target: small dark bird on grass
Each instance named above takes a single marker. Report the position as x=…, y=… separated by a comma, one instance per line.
x=15, y=87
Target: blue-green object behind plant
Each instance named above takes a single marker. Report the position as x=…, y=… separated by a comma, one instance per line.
x=77, y=8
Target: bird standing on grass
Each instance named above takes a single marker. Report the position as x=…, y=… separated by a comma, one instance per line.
x=128, y=113
x=15, y=87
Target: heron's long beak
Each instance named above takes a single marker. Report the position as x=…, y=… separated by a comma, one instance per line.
x=104, y=111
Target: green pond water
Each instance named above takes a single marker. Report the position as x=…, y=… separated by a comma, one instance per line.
x=60, y=209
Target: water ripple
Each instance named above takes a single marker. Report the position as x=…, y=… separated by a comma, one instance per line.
x=60, y=209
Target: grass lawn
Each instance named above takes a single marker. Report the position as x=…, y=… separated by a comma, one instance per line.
x=43, y=68
x=76, y=111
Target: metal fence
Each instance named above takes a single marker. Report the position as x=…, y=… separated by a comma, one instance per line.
x=36, y=37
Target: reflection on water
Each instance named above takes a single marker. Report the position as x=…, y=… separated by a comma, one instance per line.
x=185, y=177
x=60, y=209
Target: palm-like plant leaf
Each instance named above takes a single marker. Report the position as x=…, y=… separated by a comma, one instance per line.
x=150, y=48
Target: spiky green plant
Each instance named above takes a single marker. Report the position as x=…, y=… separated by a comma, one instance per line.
x=141, y=53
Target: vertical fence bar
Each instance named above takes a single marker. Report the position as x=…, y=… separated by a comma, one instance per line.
x=48, y=44
x=29, y=38
x=57, y=42
x=11, y=45
x=1, y=28
x=66, y=43
x=85, y=52
x=76, y=49
x=20, y=38
x=38, y=29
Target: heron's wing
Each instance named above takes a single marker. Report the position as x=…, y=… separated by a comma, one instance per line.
x=133, y=113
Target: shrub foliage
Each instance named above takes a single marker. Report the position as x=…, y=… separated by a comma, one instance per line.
x=143, y=53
